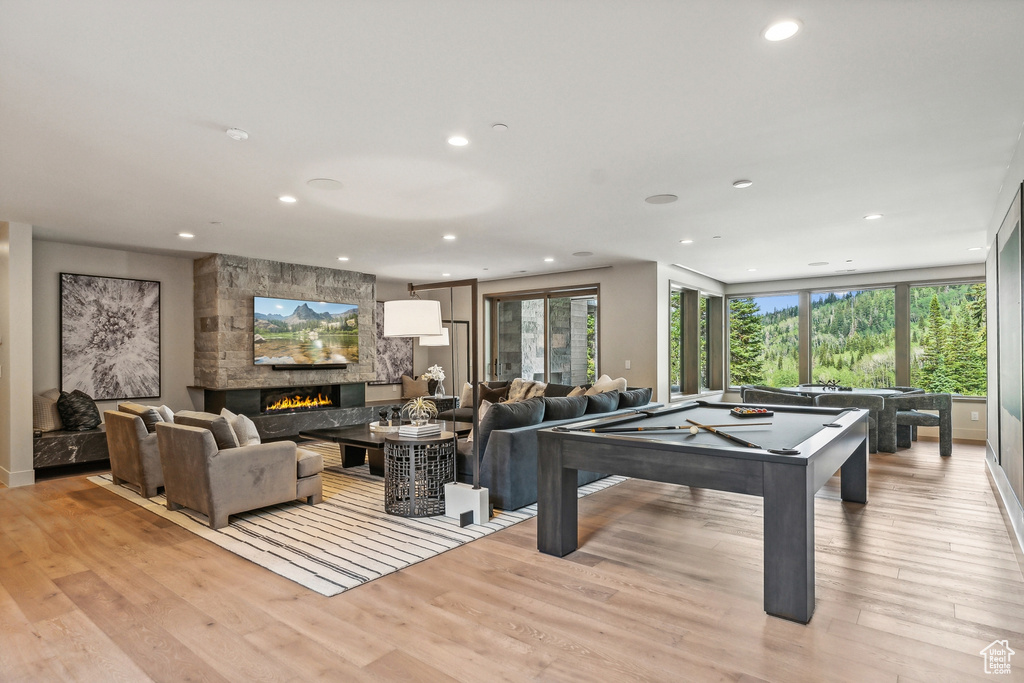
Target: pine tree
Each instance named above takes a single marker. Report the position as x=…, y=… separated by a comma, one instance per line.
x=746, y=342
x=933, y=367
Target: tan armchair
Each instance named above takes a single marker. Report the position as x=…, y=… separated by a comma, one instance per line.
x=134, y=453
x=219, y=482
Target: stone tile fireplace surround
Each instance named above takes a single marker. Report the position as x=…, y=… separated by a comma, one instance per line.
x=224, y=287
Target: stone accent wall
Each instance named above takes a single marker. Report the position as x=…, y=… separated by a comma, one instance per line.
x=223, y=290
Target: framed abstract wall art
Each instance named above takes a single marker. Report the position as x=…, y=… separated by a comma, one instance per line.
x=110, y=336
x=394, y=354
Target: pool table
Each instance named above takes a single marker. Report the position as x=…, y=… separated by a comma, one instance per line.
x=793, y=458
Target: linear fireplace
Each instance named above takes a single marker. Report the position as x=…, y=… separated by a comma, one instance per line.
x=299, y=399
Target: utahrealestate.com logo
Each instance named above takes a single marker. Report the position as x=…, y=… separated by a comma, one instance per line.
x=997, y=657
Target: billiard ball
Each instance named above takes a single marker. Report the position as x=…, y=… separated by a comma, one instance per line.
x=694, y=430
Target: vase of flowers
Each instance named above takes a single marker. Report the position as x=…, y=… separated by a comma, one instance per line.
x=436, y=373
x=419, y=410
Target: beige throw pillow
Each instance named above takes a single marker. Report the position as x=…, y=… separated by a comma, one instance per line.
x=412, y=387
x=537, y=389
x=244, y=428
x=518, y=390
x=45, y=416
x=466, y=397
x=578, y=391
x=484, y=405
x=606, y=383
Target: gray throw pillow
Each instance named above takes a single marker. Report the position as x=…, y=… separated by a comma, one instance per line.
x=564, y=408
x=634, y=398
x=509, y=416
x=150, y=416
x=605, y=402
x=223, y=434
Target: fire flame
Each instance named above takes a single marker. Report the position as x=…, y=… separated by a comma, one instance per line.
x=300, y=403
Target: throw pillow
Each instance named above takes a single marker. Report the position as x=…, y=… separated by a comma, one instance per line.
x=578, y=391
x=45, y=416
x=481, y=412
x=493, y=395
x=604, y=402
x=564, y=407
x=518, y=389
x=245, y=430
x=223, y=434
x=633, y=398
x=466, y=397
x=606, y=383
x=412, y=387
x=510, y=415
x=166, y=413
x=150, y=416
x=553, y=390
x=538, y=389
x=78, y=411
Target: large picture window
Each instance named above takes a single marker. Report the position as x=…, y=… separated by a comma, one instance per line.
x=764, y=340
x=948, y=343
x=853, y=337
x=695, y=341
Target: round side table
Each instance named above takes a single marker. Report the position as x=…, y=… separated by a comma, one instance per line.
x=415, y=472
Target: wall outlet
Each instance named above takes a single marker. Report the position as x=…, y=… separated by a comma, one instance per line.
x=627, y=365
x=394, y=388
x=974, y=416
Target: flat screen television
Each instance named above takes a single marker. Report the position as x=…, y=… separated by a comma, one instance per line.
x=293, y=332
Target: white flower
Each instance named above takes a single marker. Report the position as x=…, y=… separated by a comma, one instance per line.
x=435, y=372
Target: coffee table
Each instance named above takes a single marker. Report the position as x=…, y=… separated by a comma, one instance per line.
x=360, y=444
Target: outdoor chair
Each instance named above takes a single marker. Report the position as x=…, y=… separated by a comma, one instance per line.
x=873, y=404
x=906, y=411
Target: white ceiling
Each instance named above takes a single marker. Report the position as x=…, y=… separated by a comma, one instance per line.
x=112, y=120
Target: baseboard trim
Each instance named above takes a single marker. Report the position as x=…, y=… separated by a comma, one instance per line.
x=1013, y=513
x=14, y=479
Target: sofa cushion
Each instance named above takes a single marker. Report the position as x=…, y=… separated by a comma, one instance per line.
x=413, y=387
x=45, y=416
x=78, y=411
x=633, y=398
x=307, y=463
x=497, y=395
x=605, y=402
x=564, y=407
x=150, y=416
x=509, y=415
x=606, y=383
x=223, y=434
x=555, y=390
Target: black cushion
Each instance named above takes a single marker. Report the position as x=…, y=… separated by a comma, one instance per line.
x=555, y=390
x=509, y=416
x=632, y=398
x=495, y=395
x=564, y=407
x=78, y=411
x=605, y=402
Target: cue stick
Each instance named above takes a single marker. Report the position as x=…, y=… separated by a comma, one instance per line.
x=742, y=442
x=616, y=430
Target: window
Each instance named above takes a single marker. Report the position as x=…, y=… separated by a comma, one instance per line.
x=548, y=336
x=764, y=340
x=695, y=341
x=853, y=337
x=948, y=349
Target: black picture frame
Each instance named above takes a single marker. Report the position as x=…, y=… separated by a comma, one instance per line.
x=110, y=336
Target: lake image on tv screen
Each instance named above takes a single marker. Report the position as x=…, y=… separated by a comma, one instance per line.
x=286, y=332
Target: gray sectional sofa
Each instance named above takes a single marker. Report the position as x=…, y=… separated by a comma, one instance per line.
x=508, y=440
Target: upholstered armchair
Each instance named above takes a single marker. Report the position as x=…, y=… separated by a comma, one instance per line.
x=134, y=453
x=904, y=412
x=874, y=406
x=778, y=398
x=222, y=480
x=756, y=387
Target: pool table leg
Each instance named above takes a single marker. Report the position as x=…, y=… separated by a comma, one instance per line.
x=557, y=503
x=853, y=476
x=788, y=542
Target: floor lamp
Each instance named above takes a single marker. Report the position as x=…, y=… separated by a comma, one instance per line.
x=468, y=504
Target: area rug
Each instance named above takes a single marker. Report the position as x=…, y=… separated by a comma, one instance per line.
x=345, y=541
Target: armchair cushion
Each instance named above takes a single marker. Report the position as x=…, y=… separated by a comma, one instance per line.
x=150, y=416
x=223, y=434
x=308, y=463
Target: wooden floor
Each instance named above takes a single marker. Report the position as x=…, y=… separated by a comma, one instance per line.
x=666, y=587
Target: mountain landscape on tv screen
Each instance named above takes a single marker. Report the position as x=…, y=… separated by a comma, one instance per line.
x=306, y=336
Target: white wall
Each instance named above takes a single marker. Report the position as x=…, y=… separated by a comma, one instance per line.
x=16, y=349
x=49, y=259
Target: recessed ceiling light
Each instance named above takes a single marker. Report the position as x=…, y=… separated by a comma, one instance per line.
x=449, y=237
x=661, y=199
x=343, y=258
x=818, y=263
x=499, y=127
x=780, y=30
x=287, y=199
x=742, y=183
x=582, y=254
x=751, y=270
x=324, y=183
x=457, y=141
x=685, y=241
x=446, y=274
x=873, y=216
x=974, y=249
x=237, y=134
x=717, y=237
x=185, y=235
x=548, y=260
x=520, y=271
x=215, y=223
x=849, y=260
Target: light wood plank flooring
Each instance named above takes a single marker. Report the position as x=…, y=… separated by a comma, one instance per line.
x=667, y=586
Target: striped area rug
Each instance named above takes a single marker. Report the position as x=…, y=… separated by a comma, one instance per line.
x=345, y=541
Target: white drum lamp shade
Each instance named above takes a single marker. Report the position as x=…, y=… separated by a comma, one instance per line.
x=436, y=339
x=412, y=318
